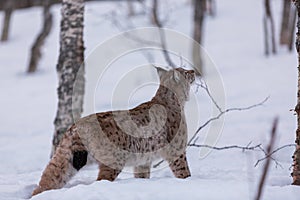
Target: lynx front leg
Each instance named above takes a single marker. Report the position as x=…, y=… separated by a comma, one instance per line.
x=142, y=171
x=107, y=173
x=180, y=167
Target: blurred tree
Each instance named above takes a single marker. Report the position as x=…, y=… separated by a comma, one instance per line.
x=37, y=45
x=269, y=28
x=8, y=10
x=288, y=24
x=154, y=14
x=131, y=11
x=70, y=68
x=199, y=14
x=211, y=8
x=285, y=21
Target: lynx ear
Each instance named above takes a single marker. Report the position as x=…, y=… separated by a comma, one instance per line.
x=176, y=76
x=160, y=71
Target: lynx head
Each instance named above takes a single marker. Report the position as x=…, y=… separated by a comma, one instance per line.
x=177, y=80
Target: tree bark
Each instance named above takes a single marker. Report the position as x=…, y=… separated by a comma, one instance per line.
x=70, y=68
x=6, y=24
x=296, y=157
x=199, y=11
x=39, y=42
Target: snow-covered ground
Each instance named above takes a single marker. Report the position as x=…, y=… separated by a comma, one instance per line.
x=234, y=41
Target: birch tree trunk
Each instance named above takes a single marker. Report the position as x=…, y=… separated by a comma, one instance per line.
x=296, y=156
x=70, y=68
x=199, y=11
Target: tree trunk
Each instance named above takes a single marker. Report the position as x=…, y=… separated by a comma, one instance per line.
x=39, y=42
x=284, y=32
x=292, y=29
x=199, y=11
x=265, y=21
x=268, y=22
x=288, y=22
x=70, y=68
x=6, y=24
x=296, y=156
x=131, y=11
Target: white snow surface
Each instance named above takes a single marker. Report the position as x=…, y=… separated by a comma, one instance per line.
x=234, y=41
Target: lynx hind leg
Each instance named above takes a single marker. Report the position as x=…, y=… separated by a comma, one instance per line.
x=69, y=156
x=59, y=170
x=107, y=173
x=142, y=171
x=180, y=167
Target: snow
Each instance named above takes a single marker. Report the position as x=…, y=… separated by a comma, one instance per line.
x=234, y=41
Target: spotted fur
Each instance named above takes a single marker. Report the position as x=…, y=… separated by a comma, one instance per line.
x=135, y=137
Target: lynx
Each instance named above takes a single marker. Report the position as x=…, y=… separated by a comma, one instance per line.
x=136, y=137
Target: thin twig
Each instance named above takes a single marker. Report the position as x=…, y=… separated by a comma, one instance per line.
x=120, y=27
x=205, y=87
x=269, y=155
x=226, y=147
x=257, y=147
x=194, y=137
x=158, y=163
x=266, y=154
x=162, y=35
x=222, y=112
x=157, y=22
x=266, y=167
x=248, y=147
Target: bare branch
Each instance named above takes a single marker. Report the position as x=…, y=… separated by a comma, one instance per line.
x=226, y=147
x=270, y=154
x=205, y=87
x=266, y=154
x=221, y=114
x=248, y=147
x=157, y=164
x=159, y=24
x=257, y=147
x=266, y=167
x=193, y=139
x=121, y=27
x=249, y=107
x=162, y=36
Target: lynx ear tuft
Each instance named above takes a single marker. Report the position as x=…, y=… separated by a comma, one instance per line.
x=176, y=76
x=160, y=71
